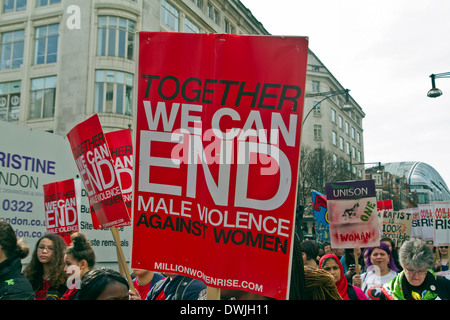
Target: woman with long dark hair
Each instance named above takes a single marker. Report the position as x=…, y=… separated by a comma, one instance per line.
x=46, y=269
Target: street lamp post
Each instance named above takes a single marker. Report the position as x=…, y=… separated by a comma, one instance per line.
x=435, y=92
x=329, y=94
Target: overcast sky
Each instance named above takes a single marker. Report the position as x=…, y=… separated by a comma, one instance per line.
x=384, y=52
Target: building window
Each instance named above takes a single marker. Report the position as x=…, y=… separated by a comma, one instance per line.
x=354, y=152
x=333, y=115
x=113, y=92
x=46, y=44
x=191, y=27
x=340, y=122
x=347, y=148
x=229, y=28
x=42, y=3
x=335, y=160
x=43, y=92
x=317, y=111
x=347, y=128
x=359, y=156
x=317, y=132
x=353, y=133
x=358, y=138
x=12, y=49
x=334, y=137
x=10, y=100
x=170, y=15
x=198, y=3
x=341, y=143
x=115, y=37
x=315, y=86
x=14, y=5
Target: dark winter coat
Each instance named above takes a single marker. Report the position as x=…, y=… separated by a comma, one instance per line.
x=13, y=284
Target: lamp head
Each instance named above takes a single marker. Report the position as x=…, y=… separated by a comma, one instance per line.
x=434, y=93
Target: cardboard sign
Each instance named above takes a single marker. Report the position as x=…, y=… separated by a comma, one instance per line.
x=217, y=141
x=416, y=228
x=397, y=225
x=321, y=222
x=441, y=223
x=92, y=157
x=62, y=202
x=426, y=221
x=352, y=212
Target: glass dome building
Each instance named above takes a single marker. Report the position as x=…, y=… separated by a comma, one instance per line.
x=421, y=178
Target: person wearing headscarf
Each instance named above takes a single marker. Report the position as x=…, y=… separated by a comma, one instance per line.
x=331, y=263
x=417, y=281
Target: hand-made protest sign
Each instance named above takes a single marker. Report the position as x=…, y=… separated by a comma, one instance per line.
x=441, y=223
x=62, y=202
x=217, y=146
x=426, y=221
x=321, y=223
x=396, y=225
x=352, y=213
x=93, y=159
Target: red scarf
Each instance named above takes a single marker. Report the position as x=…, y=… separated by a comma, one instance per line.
x=342, y=283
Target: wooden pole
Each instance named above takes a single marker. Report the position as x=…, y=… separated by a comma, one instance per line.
x=121, y=258
x=355, y=250
x=212, y=293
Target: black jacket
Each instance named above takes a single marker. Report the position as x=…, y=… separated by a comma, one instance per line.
x=13, y=284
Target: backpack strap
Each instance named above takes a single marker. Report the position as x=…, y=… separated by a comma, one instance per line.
x=181, y=288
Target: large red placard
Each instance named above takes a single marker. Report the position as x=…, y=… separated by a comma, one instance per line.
x=217, y=150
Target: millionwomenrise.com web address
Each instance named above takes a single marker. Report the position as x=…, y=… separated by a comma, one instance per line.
x=210, y=281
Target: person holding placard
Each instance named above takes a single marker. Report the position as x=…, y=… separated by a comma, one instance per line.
x=417, y=281
x=13, y=284
x=79, y=259
x=331, y=263
x=441, y=259
x=46, y=269
x=380, y=268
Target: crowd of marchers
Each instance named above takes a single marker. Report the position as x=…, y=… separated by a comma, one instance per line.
x=56, y=271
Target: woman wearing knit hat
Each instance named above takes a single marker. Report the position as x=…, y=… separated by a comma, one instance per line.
x=418, y=281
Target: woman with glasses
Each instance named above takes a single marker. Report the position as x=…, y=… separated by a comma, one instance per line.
x=418, y=281
x=46, y=269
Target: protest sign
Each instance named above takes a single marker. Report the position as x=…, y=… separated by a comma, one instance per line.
x=121, y=149
x=62, y=202
x=29, y=159
x=352, y=213
x=396, y=225
x=416, y=228
x=441, y=223
x=385, y=205
x=321, y=223
x=426, y=221
x=218, y=128
x=93, y=159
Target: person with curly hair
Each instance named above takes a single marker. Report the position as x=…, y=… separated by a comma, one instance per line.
x=417, y=281
x=46, y=269
x=13, y=284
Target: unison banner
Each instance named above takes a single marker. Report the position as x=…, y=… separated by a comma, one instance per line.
x=93, y=159
x=62, y=202
x=217, y=142
x=352, y=212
